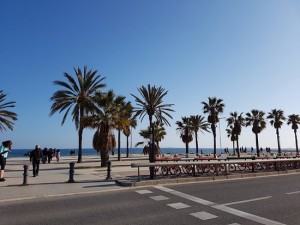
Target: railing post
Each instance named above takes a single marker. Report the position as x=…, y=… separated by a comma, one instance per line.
x=25, y=174
x=108, y=177
x=71, y=173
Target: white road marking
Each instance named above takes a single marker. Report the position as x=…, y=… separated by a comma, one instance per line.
x=249, y=200
x=294, y=192
x=234, y=224
x=223, y=208
x=178, y=205
x=16, y=199
x=203, y=215
x=159, y=198
x=142, y=192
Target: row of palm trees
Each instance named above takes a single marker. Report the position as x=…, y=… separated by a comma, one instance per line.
x=255, y=118
x=83, y=98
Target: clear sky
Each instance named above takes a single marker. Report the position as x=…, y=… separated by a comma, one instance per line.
x=245, y=52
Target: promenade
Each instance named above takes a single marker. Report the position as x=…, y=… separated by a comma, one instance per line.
x=53, y=178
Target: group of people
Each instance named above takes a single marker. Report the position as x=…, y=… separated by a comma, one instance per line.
x=36, y=155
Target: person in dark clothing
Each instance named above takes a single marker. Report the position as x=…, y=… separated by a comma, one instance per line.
x=35, y=158
x=45, y=155
x=50, y=155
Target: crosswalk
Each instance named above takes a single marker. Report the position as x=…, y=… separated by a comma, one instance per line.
x=178, y=205
x=203, y=215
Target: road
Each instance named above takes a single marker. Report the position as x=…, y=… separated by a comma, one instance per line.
x=272, y=200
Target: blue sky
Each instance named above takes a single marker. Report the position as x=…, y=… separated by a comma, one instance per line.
x=245, y=52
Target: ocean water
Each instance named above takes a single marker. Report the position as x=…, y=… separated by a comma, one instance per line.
x=91, y=151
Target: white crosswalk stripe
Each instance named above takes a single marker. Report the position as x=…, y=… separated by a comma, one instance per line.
x=178, y=205
x=204, y=215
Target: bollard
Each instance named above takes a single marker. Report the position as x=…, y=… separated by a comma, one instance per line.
x=108, y=170
x=71, y=173
x=25, y=174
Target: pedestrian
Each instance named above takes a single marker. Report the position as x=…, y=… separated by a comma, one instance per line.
x=45, y=155
x=50, y=154
x=35, y=158
x=5, y=148
x=57, y=155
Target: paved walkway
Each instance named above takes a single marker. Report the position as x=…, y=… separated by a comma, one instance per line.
x=53, y=177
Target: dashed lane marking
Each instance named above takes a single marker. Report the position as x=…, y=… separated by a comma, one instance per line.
x=159, y=198
x=223, y=208
x=142, y=192
x=294, y=192
x=203, y=215
x=178, y=205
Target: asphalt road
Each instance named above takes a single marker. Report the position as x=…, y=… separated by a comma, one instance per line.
x=269, y=200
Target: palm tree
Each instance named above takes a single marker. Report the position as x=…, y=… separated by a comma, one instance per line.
x=127, y=133
x=256, y=119
x=77, y=97
x=232, y=136
x=276, y=117
x=124, y=111
x=186, y=132
x=198, y=124
x=236, y=121
x=6, y=117
x=159, y=134
x=151, y=104
x=213, y=108
x=104, y=119
x=294, y=120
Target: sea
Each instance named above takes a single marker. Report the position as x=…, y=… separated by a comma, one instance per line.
x=93, y=152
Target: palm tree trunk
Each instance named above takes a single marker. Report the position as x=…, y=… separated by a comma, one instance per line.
x=233, y=146
x=296, y=140
x=152, y=151
x=196, y=137
x=213, y=128
x=186, y=143
x=119, y=145
x=80, y=131
x=127, y=146
x=237, y=146
x=257, y=146
x=278, y=141
x=104, y=158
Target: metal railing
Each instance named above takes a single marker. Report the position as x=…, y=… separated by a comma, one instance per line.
x=201, y=167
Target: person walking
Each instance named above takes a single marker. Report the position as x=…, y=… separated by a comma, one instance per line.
x=35, y=158
x=57, y=155
x=5, y=148
x=45, y=155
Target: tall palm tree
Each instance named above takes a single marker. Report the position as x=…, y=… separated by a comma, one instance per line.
x=276, y=117
x=294, y=120
x=213, y=108
x=127, y=132
x=256, y=119
x=6, y=117
x=77, y=97
x=198, y=124
x=186, y=132
x=232, y=136
x=151, y=104
x=236, y=121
